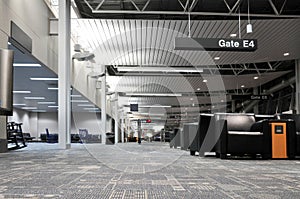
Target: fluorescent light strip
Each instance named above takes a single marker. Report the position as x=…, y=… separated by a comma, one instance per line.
x=22, y=92
x=44, y=78
x=155, y=94
x=29, y=108
x=94, y=111
x=154, y=106
x=34, y=98
x=19, y=104
x=46, y=102
x=39, y=111
x=86, y=105
x=76, y=95
x=91, y=109
x=52, y=88
x=52, y=106
x=27, y=65
x=80, y=101
x=161, y=69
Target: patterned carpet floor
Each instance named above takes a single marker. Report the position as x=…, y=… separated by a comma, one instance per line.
x=146, y=171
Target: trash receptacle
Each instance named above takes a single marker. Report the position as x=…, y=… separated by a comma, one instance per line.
x=110, y=138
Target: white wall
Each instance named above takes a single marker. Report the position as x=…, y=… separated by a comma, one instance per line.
x=32, y=17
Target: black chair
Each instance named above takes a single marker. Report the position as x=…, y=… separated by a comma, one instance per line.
x=51, y=138
x=15, y=135
x=237, y=138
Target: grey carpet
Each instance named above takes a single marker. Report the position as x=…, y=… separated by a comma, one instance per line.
x=146, y=171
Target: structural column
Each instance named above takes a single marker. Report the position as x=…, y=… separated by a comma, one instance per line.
x=64, y=63
x=116, y=119
x=233, y=106
x=297, y=102
x=255, y=108
x=103, y=108
x=122, y=127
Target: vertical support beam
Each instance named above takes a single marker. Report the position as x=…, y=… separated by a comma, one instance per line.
x=116, y=119
x=255, y=108
x=122, y=127
x=103, y=108
x=139, y=123
x=297, y=70
x=233, y=106
x=64, y=63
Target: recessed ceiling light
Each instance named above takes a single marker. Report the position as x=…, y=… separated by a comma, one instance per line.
x=242, y=86
x=23, y=92
x=46, y=102
x=19, y=104
x=29, y=108
x=256, y=77
x=91, y=109
x=8, y=43
x=198, y=89
x=233, y=35
x=191, y=99
x=216, y=58
x=222, y=100
x=80, y=101
x=44, y=78
x=155, y=94
x=52, y=106
x=34, y=98
x=76, y=95
x=286, y=54
x=86, y=105
x=52, y=88
x=26, y=65
x=205, y=80
x=39, y=111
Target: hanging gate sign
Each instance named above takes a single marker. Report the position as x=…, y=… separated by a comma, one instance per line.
x=215, y=44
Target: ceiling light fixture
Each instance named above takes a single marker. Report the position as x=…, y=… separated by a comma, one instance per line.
x=19, y=104
x=85, y=105
x=198, y=89
x=205, y=80
x=286, y=54
x=155, y=106
x=39, y=111
x=249, y=25
x=217, y=58
x=161, y=69
x=46, y=102
x=52, y=106
x=29, y=108
x=242, y=86
x=52, y=88
x=80, y=101
x=256, y=77
x=34, y=98
x=26, y=65
x=155, y=94
x=44, y=78
x=76, y=95
x=91, y=109
x=21, y=92
x=233, y=35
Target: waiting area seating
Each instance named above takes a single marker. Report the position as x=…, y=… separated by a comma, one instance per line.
x=242, y=135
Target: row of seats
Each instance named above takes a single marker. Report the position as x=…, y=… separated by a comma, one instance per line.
x=238, y=135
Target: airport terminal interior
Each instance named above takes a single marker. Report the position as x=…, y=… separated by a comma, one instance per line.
x=157, y=99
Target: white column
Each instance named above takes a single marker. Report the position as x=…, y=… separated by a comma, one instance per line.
x=64, y=63
x=297, y=71
x=103, y=108
x=116, y=119
x=122, y=126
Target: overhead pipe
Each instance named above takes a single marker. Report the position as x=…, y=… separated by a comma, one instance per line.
x=272, y=90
